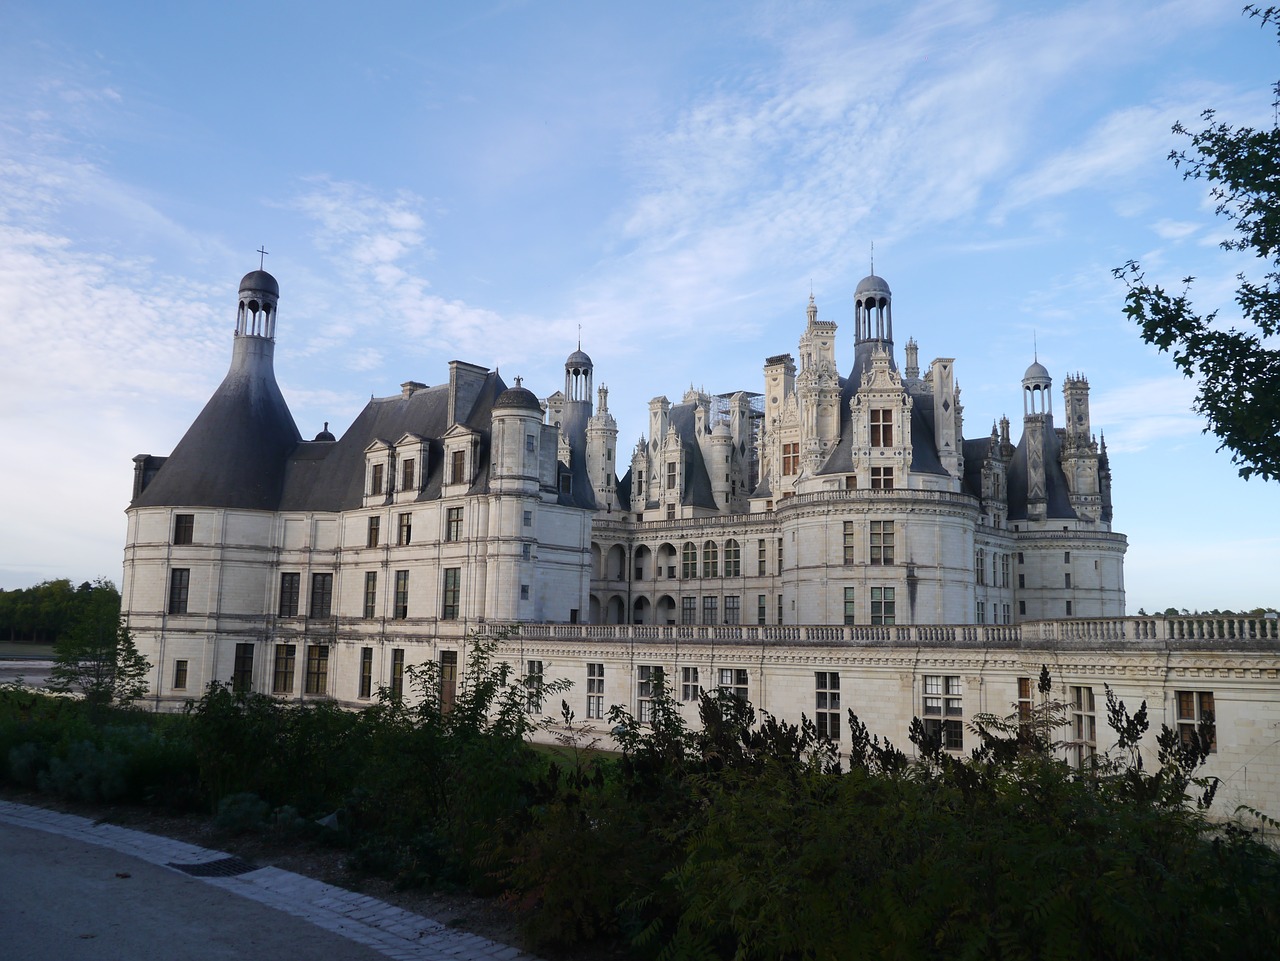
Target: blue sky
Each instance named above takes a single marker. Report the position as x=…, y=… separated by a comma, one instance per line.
x=476, y=181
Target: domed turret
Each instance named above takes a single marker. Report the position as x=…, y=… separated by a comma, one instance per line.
x=1036, y=390
x=259, y=294
x=873, y=311
x=518, y=397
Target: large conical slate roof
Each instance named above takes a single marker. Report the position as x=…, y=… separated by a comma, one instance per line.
x=234, y=454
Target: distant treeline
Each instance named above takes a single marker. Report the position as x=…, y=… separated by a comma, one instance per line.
x=42, y=614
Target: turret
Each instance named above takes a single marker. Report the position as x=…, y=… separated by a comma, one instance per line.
x=1037, y=421
x=602, y=440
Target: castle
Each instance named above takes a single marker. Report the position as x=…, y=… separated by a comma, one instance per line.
x=827, y=542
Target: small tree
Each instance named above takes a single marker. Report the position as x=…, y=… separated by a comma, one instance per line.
x=97, y=656
x=1238, y=373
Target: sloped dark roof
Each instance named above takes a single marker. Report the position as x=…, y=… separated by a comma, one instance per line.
x=573, y=424
x=234, y=454
x=697, y=483
x=1057, y=502
x=975, y=453
x=924, y=449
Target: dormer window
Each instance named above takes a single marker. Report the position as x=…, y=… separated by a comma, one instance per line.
x=881, y=427
x=458, y=467
x=376, y=480
x=407, y=471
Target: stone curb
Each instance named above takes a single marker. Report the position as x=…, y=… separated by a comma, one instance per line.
x=385, y=928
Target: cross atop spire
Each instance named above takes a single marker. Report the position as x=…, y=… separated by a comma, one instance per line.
x=262, y=256
x=873, y=258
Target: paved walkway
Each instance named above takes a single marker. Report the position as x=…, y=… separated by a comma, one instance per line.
x=42, y=904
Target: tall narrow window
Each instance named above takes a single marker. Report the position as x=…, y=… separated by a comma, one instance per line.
x=710, y=559
x=452, y=590
x=402, y=595
x=284, y=669
x=826, y=704
x=321, y=595
x=290, y=588
x=881, y=542
x=533, y=686
x=529, y=443
x=1084, y=726
x=453, y=524
x=881, y=427
x=317, y=680
x=850, y=610
x=762, y=608
x=375, y=480
x=981, y=612
x=850, y=542
x=647, y=675
x=372, y=538
x=407, y=472
x=458, y=467
x=762, y=557
x=790, y=459
x=397, y=672
x=732, y=558
x=709, y=606
x=242, y=670
x=688, y=610
x=732, y=609
x=671, y=476
x=404, y=532
x=595, y=691
x=980, y=566
x=370, y=594
x=689, y=686
x=943, y=710
x=179, y=589
x=689, y=561
x=883, y=606
x=184, y=528
x=366, y=672
x=180, y=675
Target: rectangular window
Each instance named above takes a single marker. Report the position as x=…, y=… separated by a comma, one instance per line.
x=1019, y=557
x=688, y=610
x=881, y=548
x=404, y=532
x=1025, y=702
x=595, y=691
x=179, y=589
x=733, y=680
x=883, y=606
x=732, y=609
x=850, y=542
x=285, y=667
x=850, y=611
x=453, y=524
x=882, y=478
x=452, y=591
x=688, y=561
x=1084, y=727
x=732, y=559
x=397, y=672
x=943, y=707
x=458, y=467
x=779, y=621
x=528, y=518
x=826, y=705
x=375, y=480
x=709, y=605
x=881, y=427
x=851, y=482
x=1022, y=608
x=370, y=594
x=374, y=535
x=1195, y=710
x=242, y=670
x=526, y=551
x=524, y=592
x=402, y=595
x=1066, y=580
x=689, y=686
x=779, y=570
x=710, y=559
x=980, y=566
x=179, y=675
x=1066, y=557
x=1004, y=614
x=762, y=558
x=1068, y=608
x=762, y=608
x=321, y=595
x=317, y=680
x=366, y=672
x=184, y=528
x=530, y=443
x=981, y=613
x=1004, y=570
x=407, y=471
x=790, y=459
x=290, y=588
x=646, y=676
x=1022, y=581
x=671, y=476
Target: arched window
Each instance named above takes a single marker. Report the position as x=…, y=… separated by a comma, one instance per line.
x=689, y=561
x=732, y=559
x=710, y=559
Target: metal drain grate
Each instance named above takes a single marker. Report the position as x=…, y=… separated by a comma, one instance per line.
x=221, y=868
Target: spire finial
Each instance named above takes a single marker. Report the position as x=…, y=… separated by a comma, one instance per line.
x=579, y=337
x=519, y=380
x=873, y=258
x=1035, y=348
x=262, y=256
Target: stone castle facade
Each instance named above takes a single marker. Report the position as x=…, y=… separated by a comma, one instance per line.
x=827, y=542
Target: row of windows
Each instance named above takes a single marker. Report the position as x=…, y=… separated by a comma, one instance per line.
x=879, y=544
x=410, y=478
x=998, y=568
